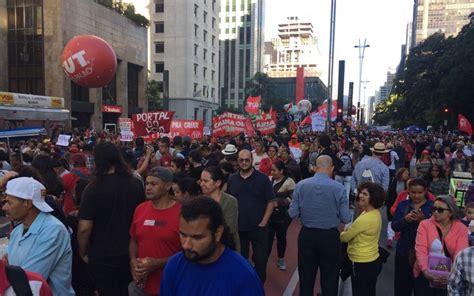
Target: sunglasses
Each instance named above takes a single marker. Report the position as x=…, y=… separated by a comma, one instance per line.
x=244, y=160
x=438, y=210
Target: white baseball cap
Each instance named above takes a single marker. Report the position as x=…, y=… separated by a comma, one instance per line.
x=29, y=189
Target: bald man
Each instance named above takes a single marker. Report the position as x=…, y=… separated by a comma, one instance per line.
x=321, y=204
x=254, y=193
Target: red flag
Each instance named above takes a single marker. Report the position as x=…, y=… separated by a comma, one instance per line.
x=252, y=105
x=249, y=130
x=464, y=125
x=306, y=121
x=299, y=84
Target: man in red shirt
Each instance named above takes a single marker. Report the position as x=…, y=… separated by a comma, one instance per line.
x=79, y=171
x=154, y=233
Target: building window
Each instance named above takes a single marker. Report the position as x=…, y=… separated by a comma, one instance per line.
x=213, y=56
x=159, y=27
x=195, y=50
x=159, y=67
x=196, y=28
x=195, y=69
x=213, y=73
x=159, y=47
x=213, y=5
x=213, y=93
x=204, y=71
x=205, y=17
x=159, y=6
x=133, y=73
x=195, y=87
x=213, y=40
x=79, y=93
x=213, y=22
x=196, y=112
x=204, y=91
x=204, y=35
x=196, y=7
x=204, y=54
x=109, y=92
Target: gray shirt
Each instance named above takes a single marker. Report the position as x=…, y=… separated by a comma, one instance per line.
x=378, y=169
x=320, y=202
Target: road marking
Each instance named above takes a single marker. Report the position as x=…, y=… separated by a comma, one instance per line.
x=290, y=288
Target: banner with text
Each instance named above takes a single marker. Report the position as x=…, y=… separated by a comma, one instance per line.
x=125, y=125
x=266, y=124
x=228, y=124
x=192, y=128
x=151, y=124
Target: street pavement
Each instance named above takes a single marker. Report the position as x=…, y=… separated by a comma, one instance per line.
x=286, y=282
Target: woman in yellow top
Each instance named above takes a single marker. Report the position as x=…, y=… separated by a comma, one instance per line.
x=363, y=240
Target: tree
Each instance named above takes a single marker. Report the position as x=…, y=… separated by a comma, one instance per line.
x=152, y=92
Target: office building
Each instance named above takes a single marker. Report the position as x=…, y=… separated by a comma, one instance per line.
x=183, y=54
x=295, y=46
x=241, y=47
x=445, y=16
x=35, y=89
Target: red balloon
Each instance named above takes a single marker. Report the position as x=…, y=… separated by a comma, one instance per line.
x=89, y=61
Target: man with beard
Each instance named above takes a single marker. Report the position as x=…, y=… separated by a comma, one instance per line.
x=154, y=233
x=207, y=265
x=254, y=193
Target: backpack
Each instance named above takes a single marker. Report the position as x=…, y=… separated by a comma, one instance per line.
x=366, y=176
x=347, y=160
x=18, y=280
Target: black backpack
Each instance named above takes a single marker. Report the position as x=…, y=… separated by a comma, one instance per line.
x=18, y=280
x=347, y=160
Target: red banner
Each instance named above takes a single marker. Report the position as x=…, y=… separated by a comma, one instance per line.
x=323, y=110
x=253, y=105
x=299, y=95
x=228, y=124
x=464, y=124
x=266, y=125
x=192, y=128
x=150, y=125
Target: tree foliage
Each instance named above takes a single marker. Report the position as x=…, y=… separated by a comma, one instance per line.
x=152, y=92
x=438, y=74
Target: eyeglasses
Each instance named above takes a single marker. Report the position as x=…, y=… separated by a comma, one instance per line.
x=244, y=160
x=435, y=170
x=438, y=210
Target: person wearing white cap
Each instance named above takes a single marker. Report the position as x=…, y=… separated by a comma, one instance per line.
x=40, y=243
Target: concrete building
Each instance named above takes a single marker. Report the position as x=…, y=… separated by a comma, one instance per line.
x=295, y=46
x=241, y=47
x=445, y=16
x=37, y=34
x=183, y=54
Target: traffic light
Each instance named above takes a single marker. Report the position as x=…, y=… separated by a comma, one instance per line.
x=339, y=111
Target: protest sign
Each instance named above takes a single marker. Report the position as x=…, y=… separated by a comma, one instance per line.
x=151, y=124
x=125, y=125
x=266, y=125
x=192, y=128
x=228, y=124
x=63, y=140
x=317, y=122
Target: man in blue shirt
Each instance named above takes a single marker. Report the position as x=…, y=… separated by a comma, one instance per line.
x=322, y=205
x=40, y=243
x=208, y=264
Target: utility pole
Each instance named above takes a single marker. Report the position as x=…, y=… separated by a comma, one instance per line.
x=361, y=48
x=332, y=33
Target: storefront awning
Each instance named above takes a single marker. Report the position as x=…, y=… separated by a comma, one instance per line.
x=22, y=113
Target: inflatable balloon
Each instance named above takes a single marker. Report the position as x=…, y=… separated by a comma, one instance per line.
x=305, y=106
x=89, y=61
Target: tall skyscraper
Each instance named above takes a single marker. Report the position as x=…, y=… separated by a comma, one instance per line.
x=183, y=41
x=445, y=16
x=295, y=46
x=241, y=47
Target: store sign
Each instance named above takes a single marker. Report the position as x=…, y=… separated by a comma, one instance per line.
x=31, y=101
x=112, y=109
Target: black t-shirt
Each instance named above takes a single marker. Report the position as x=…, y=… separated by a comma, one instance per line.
x=110, y=203
x=196, y=172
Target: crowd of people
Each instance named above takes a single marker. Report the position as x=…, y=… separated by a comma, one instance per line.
x=189, y=216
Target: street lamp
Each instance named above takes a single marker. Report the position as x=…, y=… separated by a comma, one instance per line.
x=361, y=48
x=332, y=33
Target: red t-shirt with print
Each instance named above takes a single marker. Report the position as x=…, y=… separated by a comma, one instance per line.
x=157, y=235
